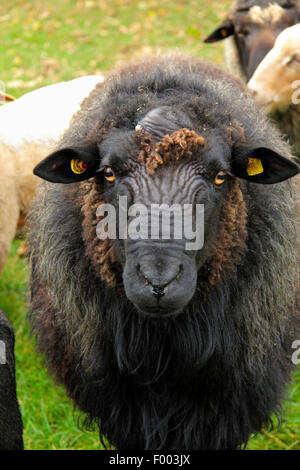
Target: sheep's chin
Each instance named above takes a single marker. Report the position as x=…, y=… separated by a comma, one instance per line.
x=158, y=313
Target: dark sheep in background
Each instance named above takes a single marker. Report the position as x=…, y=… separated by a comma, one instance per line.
x=11, y=428
x=166, y=348
x=251, y=27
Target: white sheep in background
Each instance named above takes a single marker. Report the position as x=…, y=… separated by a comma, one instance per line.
x=276, y=84
x=29, y=127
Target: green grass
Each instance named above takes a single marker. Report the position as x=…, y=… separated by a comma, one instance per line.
x=48, y=417
x=59, y=40
x=46, y=42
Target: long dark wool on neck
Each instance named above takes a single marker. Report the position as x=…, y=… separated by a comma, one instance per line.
x=131, y=374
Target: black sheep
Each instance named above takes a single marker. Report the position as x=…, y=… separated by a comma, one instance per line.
x=163, y=347
x=11, y=428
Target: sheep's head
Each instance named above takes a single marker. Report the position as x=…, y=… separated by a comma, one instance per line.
x=254, y=25
x=164, y=163
x=276, y=78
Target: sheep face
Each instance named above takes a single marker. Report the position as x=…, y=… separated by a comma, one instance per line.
x=163, y=169
x=167, y=186
x=254, y=26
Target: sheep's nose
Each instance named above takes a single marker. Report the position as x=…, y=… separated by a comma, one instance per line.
x=159, y=284
x=158, y=276
x=158, y=291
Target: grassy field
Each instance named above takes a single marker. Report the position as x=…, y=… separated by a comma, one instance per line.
x=46, y=42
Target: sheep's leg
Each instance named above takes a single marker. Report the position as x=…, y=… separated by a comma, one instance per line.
x=9, y=216
x=23, y=249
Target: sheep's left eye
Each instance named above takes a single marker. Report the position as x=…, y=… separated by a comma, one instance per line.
x=220, y=178
x=109, y=174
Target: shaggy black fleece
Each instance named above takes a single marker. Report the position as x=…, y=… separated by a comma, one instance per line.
x=211, y=376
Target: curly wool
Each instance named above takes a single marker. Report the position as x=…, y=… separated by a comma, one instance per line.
x=181, y=144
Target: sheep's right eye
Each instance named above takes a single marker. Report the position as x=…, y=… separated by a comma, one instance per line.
x=220, y=178
x=109, y=174
x=242, y=34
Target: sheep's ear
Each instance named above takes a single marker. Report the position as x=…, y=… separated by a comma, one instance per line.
x=222, y=32
x=69, y=165
x=262, y=165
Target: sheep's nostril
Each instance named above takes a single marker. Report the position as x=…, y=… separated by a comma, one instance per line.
x=158, y=291
x=157, y=277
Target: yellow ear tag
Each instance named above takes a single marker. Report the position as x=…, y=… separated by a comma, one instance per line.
x=78, y=166
x=224, y=33
x=254, y=167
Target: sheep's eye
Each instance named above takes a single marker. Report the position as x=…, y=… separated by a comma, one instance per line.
x=220, y=178
x=109, y=174
x=242, y=34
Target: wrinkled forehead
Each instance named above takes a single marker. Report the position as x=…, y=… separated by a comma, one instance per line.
x=130, y=148
x=164, y=120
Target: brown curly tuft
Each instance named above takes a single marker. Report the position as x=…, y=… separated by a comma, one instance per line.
x=100, y=252
x=230, y=244
x=181, y=144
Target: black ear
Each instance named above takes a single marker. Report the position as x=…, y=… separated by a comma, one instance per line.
x=69, y=165
x=262, y=165
x=222, y=32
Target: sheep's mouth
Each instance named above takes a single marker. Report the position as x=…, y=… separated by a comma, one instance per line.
x=159, y=312
x=159, y=285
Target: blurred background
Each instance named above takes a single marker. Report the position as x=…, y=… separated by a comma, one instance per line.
x=48, y=42
x=45, y=42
